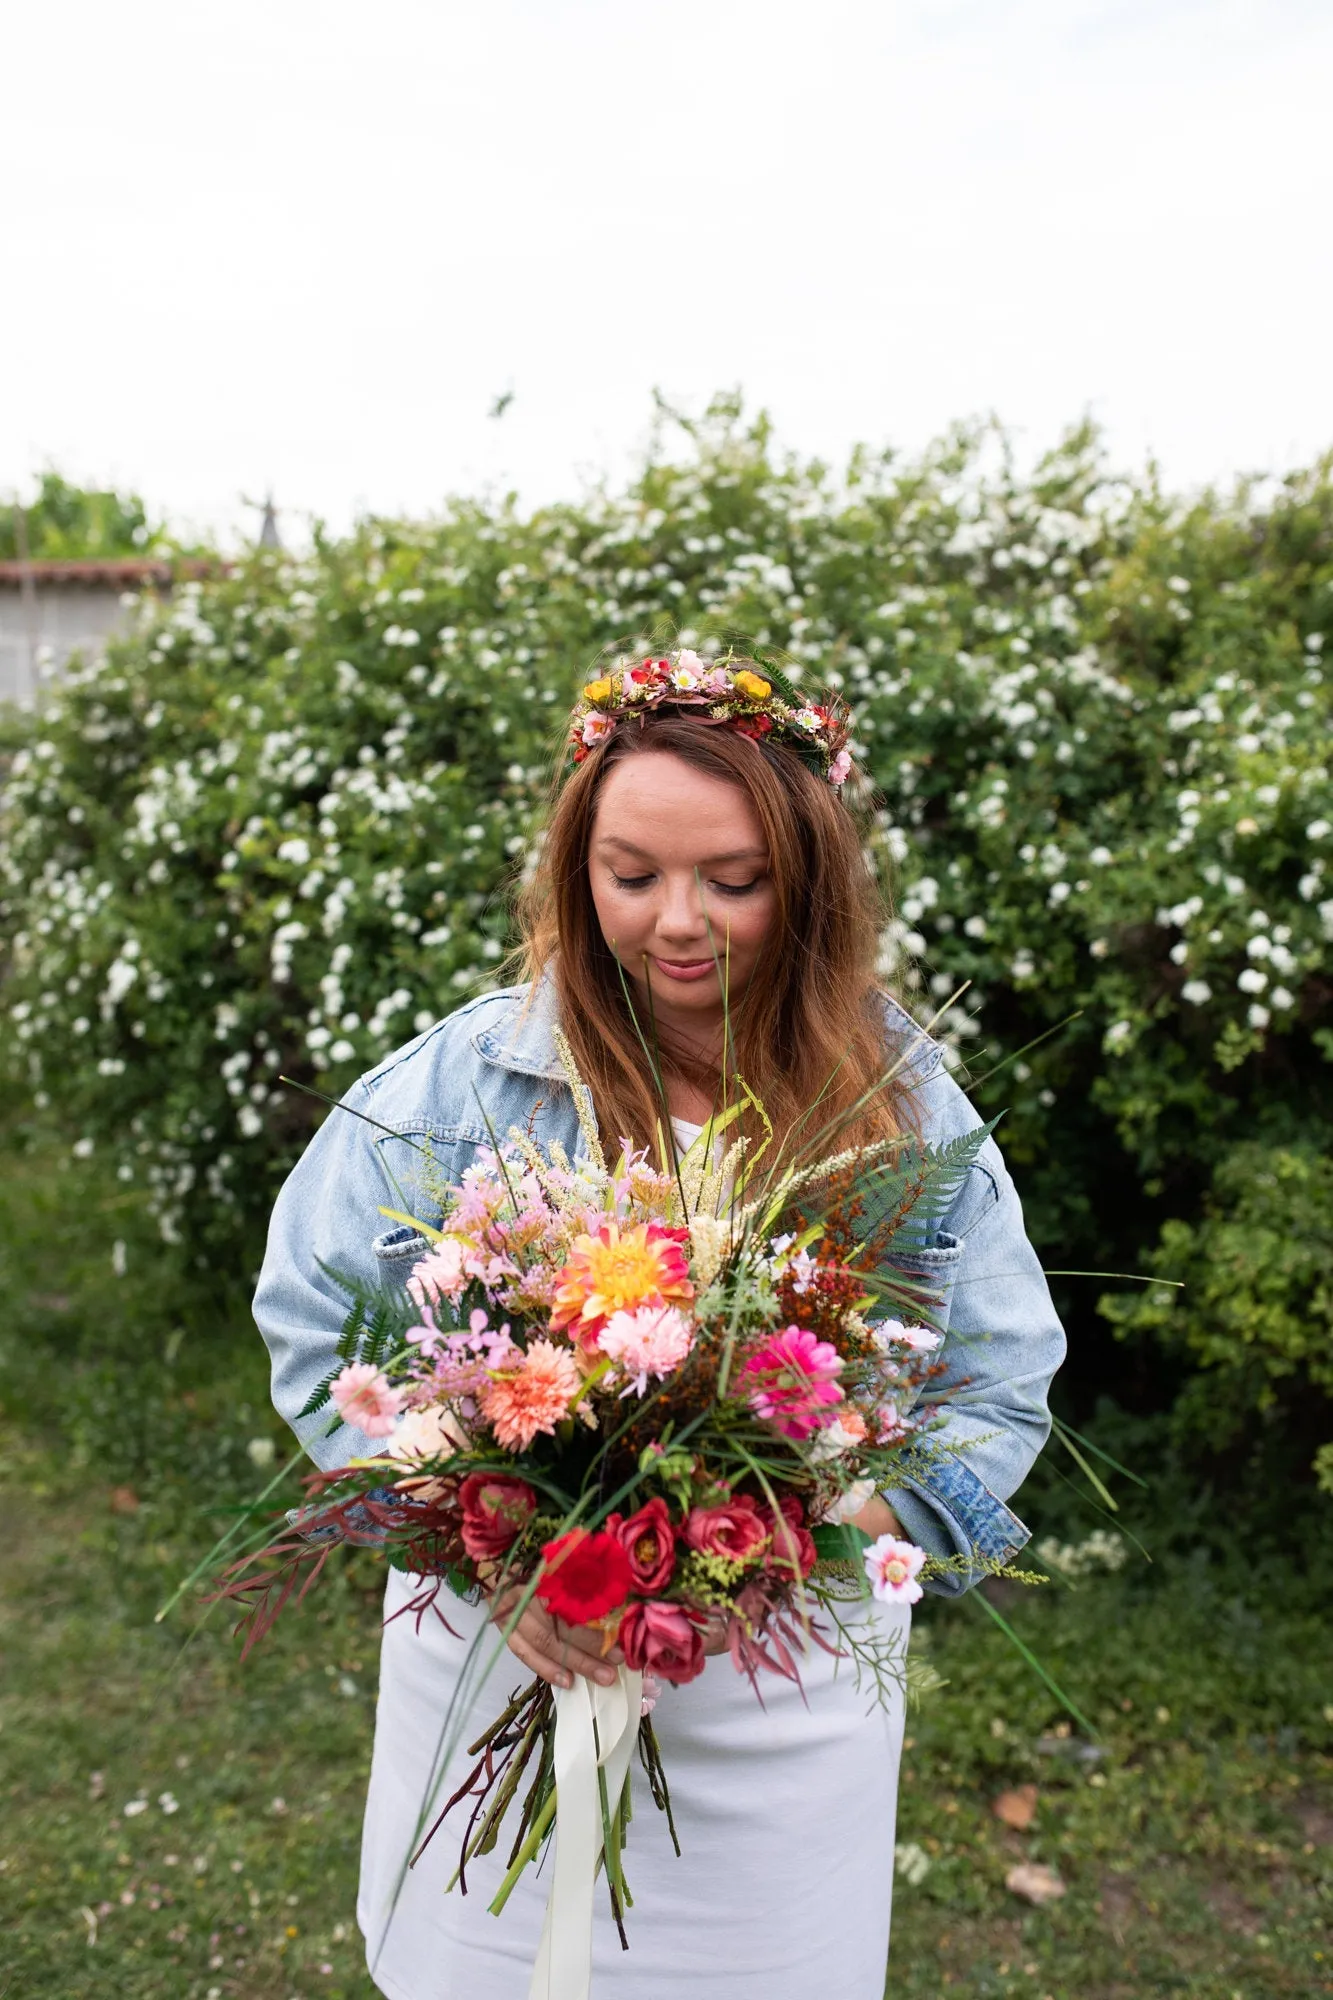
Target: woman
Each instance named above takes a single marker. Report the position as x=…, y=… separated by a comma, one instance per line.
x=702, y=881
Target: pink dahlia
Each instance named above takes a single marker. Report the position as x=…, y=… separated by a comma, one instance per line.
x=616, y=1268
x=892, y=1568
x=366, y=1398
x=534, y=1397
x=790, y=1381
x=651, y=1340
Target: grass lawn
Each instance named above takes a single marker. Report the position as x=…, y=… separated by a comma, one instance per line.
x=177, y=1825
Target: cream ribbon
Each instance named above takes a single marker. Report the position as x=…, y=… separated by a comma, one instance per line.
x=563, y=1970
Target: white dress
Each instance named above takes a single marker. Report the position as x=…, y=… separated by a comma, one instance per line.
x=785, y=1812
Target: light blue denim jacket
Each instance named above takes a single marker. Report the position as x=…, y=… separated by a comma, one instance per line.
x=495, y=1060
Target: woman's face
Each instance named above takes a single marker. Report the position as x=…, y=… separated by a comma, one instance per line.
x=676, y=854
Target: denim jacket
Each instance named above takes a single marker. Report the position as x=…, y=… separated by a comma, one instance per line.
x=494, y=1061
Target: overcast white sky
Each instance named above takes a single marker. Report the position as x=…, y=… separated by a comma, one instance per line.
x=305, y=243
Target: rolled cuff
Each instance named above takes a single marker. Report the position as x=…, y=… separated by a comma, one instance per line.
x=948, y=1511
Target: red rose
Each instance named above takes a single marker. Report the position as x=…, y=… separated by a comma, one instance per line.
x=662, y=1639
x=737, y=1529
x=793, y=1544
x=650, y=1544
x=495, y=1507
x=584, y=1576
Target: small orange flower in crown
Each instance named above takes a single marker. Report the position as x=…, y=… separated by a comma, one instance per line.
x=753, y=698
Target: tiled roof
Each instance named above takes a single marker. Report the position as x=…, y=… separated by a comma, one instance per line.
x=118, y=572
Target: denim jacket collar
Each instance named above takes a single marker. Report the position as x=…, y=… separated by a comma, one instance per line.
x=522, y=1039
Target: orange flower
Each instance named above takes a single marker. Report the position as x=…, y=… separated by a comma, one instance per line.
x=533, y=1397
x=617, y=1270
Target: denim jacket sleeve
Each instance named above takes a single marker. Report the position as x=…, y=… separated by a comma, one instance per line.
x=1002, y=1346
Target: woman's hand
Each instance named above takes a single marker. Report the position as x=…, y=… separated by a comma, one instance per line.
x=549, y=1648
x=877, y=1518
x=555, y=1652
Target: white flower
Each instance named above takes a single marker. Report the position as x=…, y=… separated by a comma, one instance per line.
x=1117, y=1037
x=1252, y=980
x=135, y=1807
x=833, y=1441
x=424, y=1434
x=1196, y=991
x=1281, y=998
x=1101, y=857
x=1258, y=1017
x=342, y=1051
x=920, y=1339
x=1099, y=948
x=1317, y=829
x=250, y=1122
x=261, y=1452
x=974, y=927
x=849, y=1504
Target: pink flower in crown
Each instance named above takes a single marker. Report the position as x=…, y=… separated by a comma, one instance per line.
x=892, y=1567
x=790, y=1381
x=596, y=726
x=840, y=769
x=717, y=681
x=365, y=1398
x=652, y=1340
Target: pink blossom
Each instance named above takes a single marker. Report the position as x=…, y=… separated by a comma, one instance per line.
x=442, y=1273
x=840, y=769
x=790, y=1381
x=596, y=726
x=892, y=1568
x=650, y=1340
x=365, y=1397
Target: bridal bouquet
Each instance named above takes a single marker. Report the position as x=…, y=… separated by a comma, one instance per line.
x=652, y=1394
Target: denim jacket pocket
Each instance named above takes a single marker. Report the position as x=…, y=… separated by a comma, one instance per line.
x=929, y=1275
x=395, y=1251
x=417, y=1158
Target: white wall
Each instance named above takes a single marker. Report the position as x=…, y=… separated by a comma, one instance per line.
x=38, y=632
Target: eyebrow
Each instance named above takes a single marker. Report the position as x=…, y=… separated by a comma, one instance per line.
x=709, y=861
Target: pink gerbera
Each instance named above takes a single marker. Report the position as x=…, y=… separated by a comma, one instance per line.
x=534, y=1397
x=790, y=1381
x=366, y=1398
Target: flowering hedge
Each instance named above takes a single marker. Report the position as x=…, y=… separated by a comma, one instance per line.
x=273, y=832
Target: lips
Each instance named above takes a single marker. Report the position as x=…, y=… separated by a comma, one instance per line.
x=684, y=969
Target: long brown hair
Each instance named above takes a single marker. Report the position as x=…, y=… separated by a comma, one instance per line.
x=811, y=1024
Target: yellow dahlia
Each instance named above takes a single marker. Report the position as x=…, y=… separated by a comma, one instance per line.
x=616, y=1270
x=753, y=686
x=598, y=690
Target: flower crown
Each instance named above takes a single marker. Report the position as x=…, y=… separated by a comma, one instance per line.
x=755, y=700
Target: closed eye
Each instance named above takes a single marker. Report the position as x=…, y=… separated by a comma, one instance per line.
x=722, y=888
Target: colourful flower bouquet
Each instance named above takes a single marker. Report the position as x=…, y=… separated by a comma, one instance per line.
x=653, y=1396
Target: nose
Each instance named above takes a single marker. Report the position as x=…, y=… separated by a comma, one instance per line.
x=681, y=920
